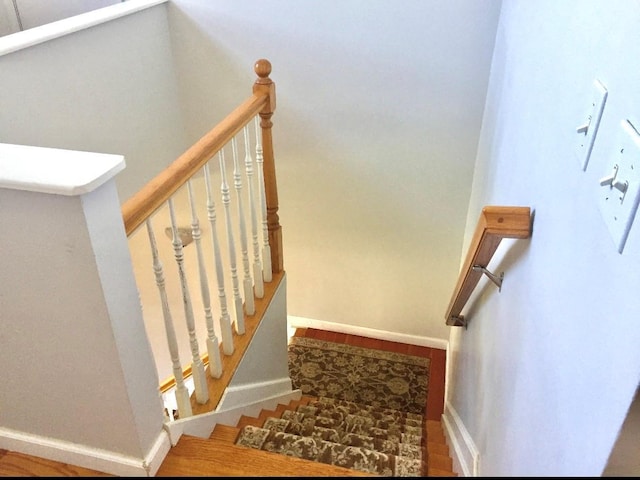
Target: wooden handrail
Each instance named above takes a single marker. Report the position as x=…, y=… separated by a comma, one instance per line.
x=152, y=196
x=158, y=190
x=495, y=223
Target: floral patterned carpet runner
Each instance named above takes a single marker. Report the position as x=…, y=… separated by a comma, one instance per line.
x=368, y=412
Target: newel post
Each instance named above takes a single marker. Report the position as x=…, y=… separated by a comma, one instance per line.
x=264, y=85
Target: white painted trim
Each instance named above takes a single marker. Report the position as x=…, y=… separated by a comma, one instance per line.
x=302, y=322
x=34, y=36
x=253, y=392
x=54, y=170
x=202, y=425
x=87, y=457
x=156, y=455
x=465, y=454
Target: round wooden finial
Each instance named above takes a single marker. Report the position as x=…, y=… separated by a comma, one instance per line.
x=262, y=68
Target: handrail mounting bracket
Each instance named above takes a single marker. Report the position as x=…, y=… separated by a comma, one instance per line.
x=497, y=279
x=457, y=321
x=495, y=223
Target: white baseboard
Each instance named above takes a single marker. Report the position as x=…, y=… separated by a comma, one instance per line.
x=465, y=454
x=302, y=322
x=87, y=457
x=202, y=425
x=254, y=392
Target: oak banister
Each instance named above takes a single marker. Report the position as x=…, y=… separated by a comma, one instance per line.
x=264, y=85
x=495, y=223
x=159, y=189
x=159, y=192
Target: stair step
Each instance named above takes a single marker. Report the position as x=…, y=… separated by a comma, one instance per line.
x=198, y=457
x=303, y=422
x=375, y=419
x=438, y=448
x=435, y=433
x=435, y=454
x=389, y=445
x=441, y=462
x=377, y=412
x=319, y=450
x=225, y=433
x=264, y=414
x=436, y=472
x=434, y=426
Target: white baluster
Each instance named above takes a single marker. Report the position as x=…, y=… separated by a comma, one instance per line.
x=213, y=347
x=258, y=283
x=197, y=367
x=266, y=248
x=237, y=300
x=182, y=392
x=225, y=320
x=249, y=305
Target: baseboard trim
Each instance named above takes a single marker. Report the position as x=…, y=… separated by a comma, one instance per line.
x=465, y=454
x=202, y=425
x=87, y=457
x=302, y=322
x=254, y=392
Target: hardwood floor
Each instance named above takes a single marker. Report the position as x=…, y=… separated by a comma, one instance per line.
x=14, y=464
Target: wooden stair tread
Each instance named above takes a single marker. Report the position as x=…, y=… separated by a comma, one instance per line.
x=435, y=472
x=225, y=433
x=437, y=448
x=194, y=456
x=441, y=462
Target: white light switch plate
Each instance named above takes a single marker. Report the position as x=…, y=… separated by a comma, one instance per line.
x=619, y=208
x=591, y=120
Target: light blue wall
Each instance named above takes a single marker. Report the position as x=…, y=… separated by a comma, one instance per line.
x=542, y=378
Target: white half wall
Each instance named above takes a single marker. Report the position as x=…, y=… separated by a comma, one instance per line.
x=79, y=382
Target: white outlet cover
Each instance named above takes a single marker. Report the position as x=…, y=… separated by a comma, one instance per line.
x=585, y=141
x=619, y=215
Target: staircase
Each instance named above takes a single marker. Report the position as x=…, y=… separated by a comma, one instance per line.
x=219, y=455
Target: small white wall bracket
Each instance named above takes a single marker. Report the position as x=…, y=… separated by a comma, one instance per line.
x=497, y=279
